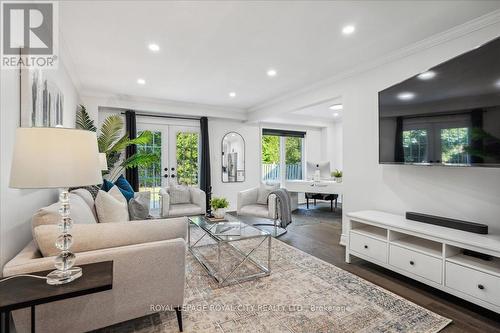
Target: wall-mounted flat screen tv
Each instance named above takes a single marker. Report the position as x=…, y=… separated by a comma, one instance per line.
x=448, y=115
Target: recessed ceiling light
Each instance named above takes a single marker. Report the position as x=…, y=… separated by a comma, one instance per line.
x=141, y=81
x=406, y=96
x=426, y=75
x=232, y=94
x=336, y=107
x=271, y=72
x=154, y=47
x=336, y=114
x=497, y=84
x=348, y=29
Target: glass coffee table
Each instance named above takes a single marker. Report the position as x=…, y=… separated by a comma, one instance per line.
x=231, y=251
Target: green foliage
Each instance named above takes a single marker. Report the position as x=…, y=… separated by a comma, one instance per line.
x=112, y=141
x=83, y=120
x=271, y=150
x=337, y=173
x=453, y=142
x=187, y=158
x=217, y=203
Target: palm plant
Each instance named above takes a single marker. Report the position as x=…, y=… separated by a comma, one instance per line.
x=112, y=140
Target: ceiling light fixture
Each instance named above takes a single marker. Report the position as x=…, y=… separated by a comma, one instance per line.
x=232, y=94
x=497, y=84
x=426, y=75
x=406, y=96
x=336, y=107
x=141, y=81
x=348, y=29
x=271, y=72
x=154, y=47
x=336, y=114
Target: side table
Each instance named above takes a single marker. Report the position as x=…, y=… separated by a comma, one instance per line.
x=23, y=292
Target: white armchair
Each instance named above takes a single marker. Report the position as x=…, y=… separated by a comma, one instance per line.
x=195, y=206
x=248, y=205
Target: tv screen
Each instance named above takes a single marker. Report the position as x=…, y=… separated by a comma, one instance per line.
x=448, y=115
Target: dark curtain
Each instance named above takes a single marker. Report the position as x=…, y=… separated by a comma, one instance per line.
x=476, y=144
x=132, y=174
x=205, y=182
x=398, y=147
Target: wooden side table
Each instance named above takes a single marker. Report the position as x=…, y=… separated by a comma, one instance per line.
x=23, y=292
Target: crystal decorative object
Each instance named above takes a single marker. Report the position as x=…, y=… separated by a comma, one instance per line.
x=65, y=260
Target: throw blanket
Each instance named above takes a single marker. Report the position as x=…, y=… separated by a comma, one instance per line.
x=284, y=206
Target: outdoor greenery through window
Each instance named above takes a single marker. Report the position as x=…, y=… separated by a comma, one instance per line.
x=453, y=143
x=187, y=157
x=271, y=157
x=415, y=145
x=150, y=177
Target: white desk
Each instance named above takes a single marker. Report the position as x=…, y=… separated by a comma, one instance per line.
x=323, y=186
x=303, y=186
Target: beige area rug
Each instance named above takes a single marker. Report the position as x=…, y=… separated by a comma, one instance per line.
x=302, y=294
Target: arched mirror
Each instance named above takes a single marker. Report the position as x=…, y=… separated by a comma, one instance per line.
x=233, y=158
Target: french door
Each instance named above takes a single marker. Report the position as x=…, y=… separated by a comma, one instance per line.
x=178, y=149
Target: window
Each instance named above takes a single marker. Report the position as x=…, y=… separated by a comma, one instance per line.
x=453, y=142
x=150, y=177
x=187, y=157
x=282, y=155
x=415, y=145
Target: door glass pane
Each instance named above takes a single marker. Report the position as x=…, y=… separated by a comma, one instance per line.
x=271, y=157
x=415, y=145
x=293, y=158
x=187, y=157
x=150, y=177
x=453, y=143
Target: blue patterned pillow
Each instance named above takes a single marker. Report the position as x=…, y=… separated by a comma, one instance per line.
x=125, y=187
x=106, y=185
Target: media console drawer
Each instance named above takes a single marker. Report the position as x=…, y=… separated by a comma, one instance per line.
x=368, y=246
x=474, y=283
x=416, y=263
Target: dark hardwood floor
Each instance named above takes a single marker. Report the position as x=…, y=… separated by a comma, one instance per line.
x=317, y=232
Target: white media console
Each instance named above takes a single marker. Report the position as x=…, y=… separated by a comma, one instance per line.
x=430, y=254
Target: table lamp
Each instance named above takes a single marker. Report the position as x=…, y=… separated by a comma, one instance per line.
x=57, y=158
x=103, y=160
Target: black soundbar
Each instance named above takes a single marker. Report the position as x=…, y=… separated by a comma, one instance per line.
x=448, y=223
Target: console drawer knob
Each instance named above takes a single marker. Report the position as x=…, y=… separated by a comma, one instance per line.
x=412, y=262
x=480, y=286
x=366, y=246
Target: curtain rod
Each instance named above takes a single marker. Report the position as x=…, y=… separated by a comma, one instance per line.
x=164, y=116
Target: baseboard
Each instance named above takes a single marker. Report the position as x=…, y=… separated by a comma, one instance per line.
x=343, y=239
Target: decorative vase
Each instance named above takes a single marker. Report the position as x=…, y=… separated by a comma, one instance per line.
x=338, y=179
x=219, y=213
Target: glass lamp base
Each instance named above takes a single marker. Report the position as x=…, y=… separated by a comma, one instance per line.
x=61, y=277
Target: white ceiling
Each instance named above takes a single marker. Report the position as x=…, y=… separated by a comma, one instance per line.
x=211, y=48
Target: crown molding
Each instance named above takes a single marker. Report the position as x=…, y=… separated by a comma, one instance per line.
x=456, y=32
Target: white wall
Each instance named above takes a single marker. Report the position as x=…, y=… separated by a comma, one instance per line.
x=17, y=206
x=464, y=193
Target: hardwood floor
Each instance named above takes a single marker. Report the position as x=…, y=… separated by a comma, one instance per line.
x=318, y=231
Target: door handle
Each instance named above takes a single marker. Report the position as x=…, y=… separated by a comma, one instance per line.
x=165, y=175
x=172, y=176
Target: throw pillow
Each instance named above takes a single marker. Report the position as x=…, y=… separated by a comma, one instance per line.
x=264, y=191
x=179, y=194
x=106, y=185
x=93, y=189
x=138, y=206
x=111, y=206
x=125, y=187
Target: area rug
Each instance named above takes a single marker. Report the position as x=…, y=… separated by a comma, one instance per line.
x=302, y=294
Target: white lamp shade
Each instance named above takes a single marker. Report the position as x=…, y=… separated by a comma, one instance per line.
x=103, y=161
x=55, y=158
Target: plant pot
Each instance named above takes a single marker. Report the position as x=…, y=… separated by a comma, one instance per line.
x=219, y=213
x=338, y=179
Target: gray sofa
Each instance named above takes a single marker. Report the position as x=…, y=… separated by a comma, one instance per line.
x=149, y=268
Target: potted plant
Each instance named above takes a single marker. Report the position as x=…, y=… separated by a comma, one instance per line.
x=337, y=176
x=219, y=206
